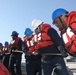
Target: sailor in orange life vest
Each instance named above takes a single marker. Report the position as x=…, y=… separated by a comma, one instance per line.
x=49, y=45
x=6, y=56
x=16, y=54
x=1, y=53
x=3, y=69
x=66, y=23
x=33, y=61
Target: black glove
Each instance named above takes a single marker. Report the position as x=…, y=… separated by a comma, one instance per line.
x=63, y=51
x=28, y=53
x=64, y=54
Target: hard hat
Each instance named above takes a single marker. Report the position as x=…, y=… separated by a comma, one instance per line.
x=35, y=23
x=1, y=44
x=14, y=33
x=6, y=43
x=58, y=12
x=28, y=32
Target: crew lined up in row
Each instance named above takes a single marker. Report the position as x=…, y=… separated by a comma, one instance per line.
x=44, y=50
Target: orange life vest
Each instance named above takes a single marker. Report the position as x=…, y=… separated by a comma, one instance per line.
x=5, y=49
x=29, y=43
x=69, y=36
x=15, y=43
x=3, y=70
x=42, y=39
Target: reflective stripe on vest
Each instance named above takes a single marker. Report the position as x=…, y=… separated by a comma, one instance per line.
x=42, y=40
x=30, y=43
x=5, y=49
x=37, y=37
x=67, y=34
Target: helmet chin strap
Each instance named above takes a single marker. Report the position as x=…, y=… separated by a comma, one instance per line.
x=40, y=27
x=63, y=26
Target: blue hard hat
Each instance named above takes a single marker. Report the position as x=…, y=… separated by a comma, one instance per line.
x=1, y=44
x=14, y=33
x=6, y=43
x=28, y=32
x=58, y=12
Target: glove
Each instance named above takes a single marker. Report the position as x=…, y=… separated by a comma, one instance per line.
x=63, y=51
x=28, y=53
x=64, y=54
x=34, y=53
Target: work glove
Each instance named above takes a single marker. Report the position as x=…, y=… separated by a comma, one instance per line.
x=64, y=54
x=63, y=51
x=28, y=53
x=35, y=53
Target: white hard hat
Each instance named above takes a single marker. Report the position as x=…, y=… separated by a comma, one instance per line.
x=36, y=22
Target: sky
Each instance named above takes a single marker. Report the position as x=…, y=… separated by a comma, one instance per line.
x=17, y=15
